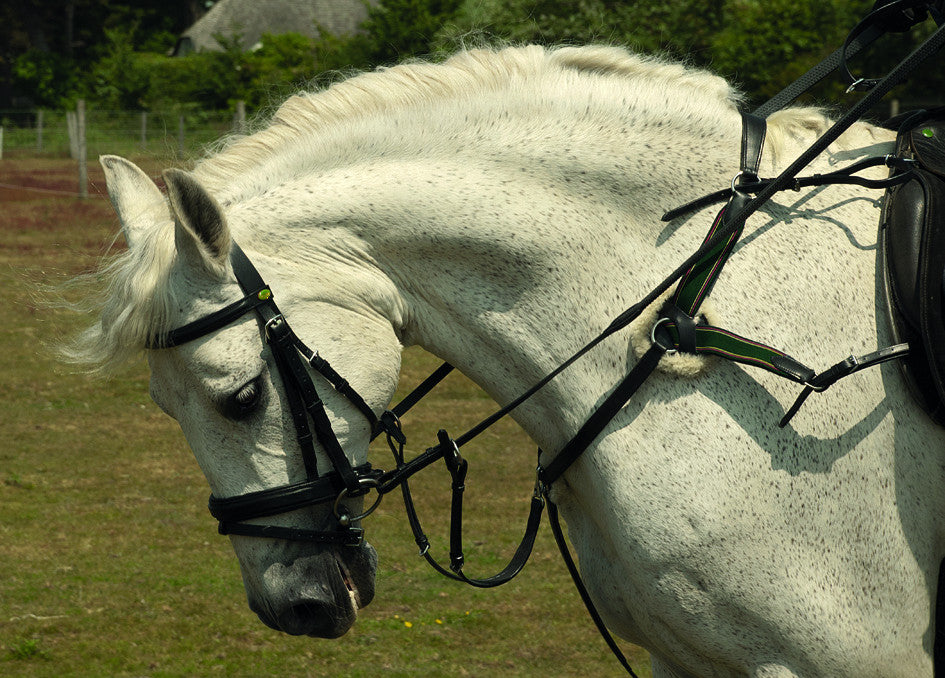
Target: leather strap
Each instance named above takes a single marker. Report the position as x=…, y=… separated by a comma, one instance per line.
x=349, y=536
x=599, y=419
x=893, y=16
x=448, y=450
x=846, y=175
x=754, y=131
x=711, y=340
x=787, y=95
x=212, y=322
x=844, y=368
x=582, y=589
x=272, y=501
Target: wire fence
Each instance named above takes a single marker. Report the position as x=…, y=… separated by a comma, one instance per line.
x=178, y=134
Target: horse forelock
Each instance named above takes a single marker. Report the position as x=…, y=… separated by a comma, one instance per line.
x=137, y=304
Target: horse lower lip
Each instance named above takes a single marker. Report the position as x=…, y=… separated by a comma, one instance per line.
x=349, y=584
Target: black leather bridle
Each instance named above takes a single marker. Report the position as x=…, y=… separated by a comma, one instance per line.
x=292, y=358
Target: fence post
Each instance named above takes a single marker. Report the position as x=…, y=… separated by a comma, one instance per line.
x=180, y=136
x=73, y=134
x=80, y=144
x=144, y=130
x=893, y=108
x=240, y=122
x=39, y=130
x=1, y=142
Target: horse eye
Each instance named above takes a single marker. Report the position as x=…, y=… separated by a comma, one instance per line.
x=244, y=402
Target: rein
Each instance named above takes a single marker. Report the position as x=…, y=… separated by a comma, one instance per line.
x=679, y=328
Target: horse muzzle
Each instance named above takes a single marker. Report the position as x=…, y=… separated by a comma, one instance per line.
x=315, y=595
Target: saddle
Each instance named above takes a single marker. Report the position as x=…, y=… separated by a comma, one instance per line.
x=912, y=246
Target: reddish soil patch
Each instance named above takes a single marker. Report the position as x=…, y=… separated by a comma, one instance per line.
x=41, y=216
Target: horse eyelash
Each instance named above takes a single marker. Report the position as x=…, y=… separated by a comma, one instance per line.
x=245, y=401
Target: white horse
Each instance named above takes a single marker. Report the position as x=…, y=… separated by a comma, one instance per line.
x=499, y=210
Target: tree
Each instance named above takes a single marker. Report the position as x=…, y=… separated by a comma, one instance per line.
x=47, y=46
x=400, y=29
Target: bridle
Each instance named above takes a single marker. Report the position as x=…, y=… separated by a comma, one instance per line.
x=292, y=358
x=678, y=328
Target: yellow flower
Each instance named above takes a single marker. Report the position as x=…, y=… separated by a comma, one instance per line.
x=408, y=624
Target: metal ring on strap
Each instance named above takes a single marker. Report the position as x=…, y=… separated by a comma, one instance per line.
x=343, y=516
x=669, y=351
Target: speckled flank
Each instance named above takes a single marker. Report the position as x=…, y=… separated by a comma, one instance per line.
x=500, y=209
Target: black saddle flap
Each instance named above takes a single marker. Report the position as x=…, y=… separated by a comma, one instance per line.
x=913, y=245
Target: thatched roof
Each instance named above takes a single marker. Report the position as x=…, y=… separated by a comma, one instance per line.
x=249, y=19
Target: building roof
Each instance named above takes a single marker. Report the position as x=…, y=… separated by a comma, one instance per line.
x=249, y=19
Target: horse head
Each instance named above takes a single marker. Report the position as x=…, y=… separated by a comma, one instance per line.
x=230, y=399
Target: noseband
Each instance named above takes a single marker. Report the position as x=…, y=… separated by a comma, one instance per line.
x=292, y=358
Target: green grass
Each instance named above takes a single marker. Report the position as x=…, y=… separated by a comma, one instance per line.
x=110, y=564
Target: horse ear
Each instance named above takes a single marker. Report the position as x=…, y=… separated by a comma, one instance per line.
x=139, y=203
x=201, y=232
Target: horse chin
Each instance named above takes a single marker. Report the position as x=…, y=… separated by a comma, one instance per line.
x=316, y=595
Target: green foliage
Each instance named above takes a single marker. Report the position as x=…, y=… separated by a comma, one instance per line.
x=126, y=77
x=399, y=29
x=281, y=65
x=762, y=44
x=646, y=26
x=767, y=45
x=119, y=79
x=46, y=78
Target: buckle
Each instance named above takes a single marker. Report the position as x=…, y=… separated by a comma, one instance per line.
x=356, y=536
x=344, y=518
x=275, y=324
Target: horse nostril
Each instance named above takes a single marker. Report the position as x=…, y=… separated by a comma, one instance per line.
x=313, y=595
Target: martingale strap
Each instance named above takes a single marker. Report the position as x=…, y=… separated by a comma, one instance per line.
x=697, y=282
x=679, y=329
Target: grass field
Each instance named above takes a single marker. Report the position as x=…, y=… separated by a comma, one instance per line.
x=110, y=564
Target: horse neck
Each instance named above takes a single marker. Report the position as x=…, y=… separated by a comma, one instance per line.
x=508, y=265
x=511, y=237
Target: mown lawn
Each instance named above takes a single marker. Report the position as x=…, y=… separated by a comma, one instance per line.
x=111, y=566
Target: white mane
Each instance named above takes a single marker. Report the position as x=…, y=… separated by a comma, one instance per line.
x=522, y=72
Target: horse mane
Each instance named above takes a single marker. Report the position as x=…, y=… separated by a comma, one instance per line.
x=467, y=75
x=138, y=303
